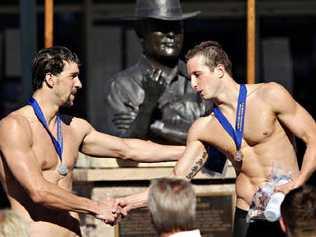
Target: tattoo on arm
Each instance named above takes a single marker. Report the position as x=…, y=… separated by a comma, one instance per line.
x=197, y=166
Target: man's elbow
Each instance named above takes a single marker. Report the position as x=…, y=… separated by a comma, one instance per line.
x=38, y=195
x=127, y=154
x=179, y=173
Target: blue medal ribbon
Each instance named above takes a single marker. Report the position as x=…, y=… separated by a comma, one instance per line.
x=237, y=133
x=58, y=143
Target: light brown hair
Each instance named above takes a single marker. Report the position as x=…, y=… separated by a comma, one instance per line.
x=172, y=204
x=213, y=54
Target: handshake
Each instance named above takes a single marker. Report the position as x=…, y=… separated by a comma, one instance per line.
x=111, y=210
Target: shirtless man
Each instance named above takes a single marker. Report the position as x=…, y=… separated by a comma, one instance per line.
x=39, y=148
x=271, y=120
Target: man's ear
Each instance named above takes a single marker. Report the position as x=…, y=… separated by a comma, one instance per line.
x=50, y=80
x=283, y=224
x=220, y=70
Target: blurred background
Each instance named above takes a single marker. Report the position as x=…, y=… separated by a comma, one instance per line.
x=106, y=43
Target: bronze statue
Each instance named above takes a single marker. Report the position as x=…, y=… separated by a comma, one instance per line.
x=153, y=99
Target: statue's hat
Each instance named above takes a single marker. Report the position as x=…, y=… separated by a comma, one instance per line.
x=169, y=10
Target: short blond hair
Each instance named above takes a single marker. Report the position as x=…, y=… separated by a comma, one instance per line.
x=12, y=225
x=172, y=204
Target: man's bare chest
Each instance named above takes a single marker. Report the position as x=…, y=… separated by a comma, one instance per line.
x=260, y=124
x=45, y=151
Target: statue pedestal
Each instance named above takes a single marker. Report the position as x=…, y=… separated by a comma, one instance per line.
x=97, y=178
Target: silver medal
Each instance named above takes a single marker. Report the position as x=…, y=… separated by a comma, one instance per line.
x=238, y=155
x=62, y=169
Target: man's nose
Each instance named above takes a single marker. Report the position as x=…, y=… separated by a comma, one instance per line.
x=78, y=83
x=193, y=83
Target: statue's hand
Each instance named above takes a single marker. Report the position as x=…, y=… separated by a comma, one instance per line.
x=123, y=121
x=154, y=85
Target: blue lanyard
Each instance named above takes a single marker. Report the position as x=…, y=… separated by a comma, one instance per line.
x=58, y=143
x=237, y=133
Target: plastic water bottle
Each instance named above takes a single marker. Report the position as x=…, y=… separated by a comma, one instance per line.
x=272, y=212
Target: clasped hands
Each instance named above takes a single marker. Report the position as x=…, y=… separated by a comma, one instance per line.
x=111, y=210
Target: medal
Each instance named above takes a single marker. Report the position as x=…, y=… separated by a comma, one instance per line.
x=58, y=143
x=238, y=156
x=236, y=133
x=62, y=169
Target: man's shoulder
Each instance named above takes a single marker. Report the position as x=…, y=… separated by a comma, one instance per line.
x=76, y=124
x=273, y=93
x=267, y=88
x=16, y=117
x=16, y=122
x=203, y=125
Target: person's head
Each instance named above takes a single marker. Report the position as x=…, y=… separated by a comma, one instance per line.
x=161, y=40
x=12, y=225
x=57, y=68
x=172, y=204
x=298, y=212
x=207, y=64
x=159, y=26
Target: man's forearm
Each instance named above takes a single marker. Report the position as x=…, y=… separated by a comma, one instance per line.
x=134, y=201
x=308, y=165
x=52, y=196
x=191, y=171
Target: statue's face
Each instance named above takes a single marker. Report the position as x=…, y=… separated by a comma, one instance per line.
x=163, y=39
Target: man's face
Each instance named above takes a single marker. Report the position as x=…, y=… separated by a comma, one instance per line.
x=68, y=83
x=204, y=81
x=163, y=39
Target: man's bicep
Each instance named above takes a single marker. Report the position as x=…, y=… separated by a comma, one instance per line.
x=290, y=113
x=300, y=123
x=102, y=145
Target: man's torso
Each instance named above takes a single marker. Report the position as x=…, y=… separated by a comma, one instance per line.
x=266, y=145
x=45, y=221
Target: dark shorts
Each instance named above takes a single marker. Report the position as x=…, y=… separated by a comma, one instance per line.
x=255, y=229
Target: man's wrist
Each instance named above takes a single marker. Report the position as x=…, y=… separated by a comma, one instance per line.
x=94, y=207
x=299, y=181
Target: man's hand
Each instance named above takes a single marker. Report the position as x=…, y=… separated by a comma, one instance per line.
x=285, y=188
x=124, y=205
x=154, y=85
x=109, y=211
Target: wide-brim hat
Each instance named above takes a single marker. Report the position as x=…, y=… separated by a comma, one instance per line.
x=168, y=10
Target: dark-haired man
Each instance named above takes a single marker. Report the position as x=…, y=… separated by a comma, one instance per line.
x=298, y=212
x=253, y=125
x=39, y=148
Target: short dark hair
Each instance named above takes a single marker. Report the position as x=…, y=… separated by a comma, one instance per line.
x=50, y=60
x=299, y=211
x=213, y=53
x=172, y=204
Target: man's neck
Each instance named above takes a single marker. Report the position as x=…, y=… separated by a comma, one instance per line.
x=48, y=104
x=227, y=94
